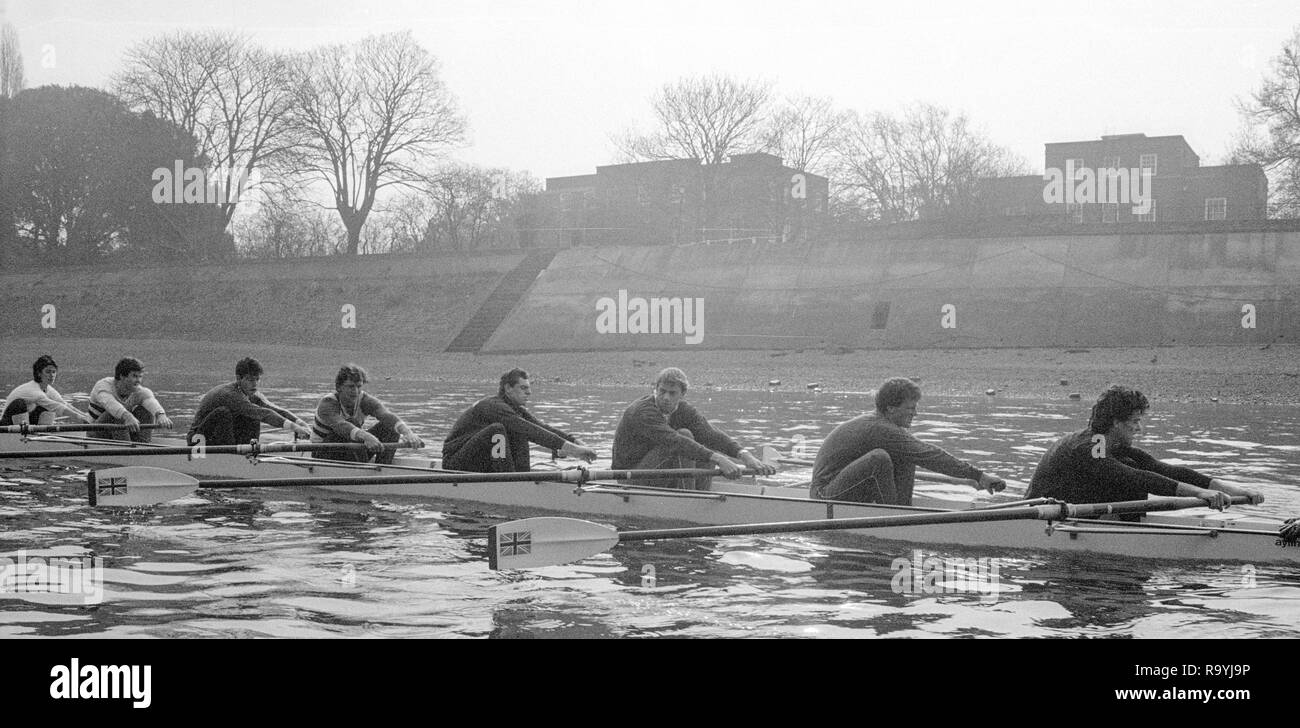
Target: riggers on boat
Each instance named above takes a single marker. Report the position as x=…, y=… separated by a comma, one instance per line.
x=1198, y=534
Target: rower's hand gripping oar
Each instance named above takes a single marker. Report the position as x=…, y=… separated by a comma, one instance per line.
x=548, y=541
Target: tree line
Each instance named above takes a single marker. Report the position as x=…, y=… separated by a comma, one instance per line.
x=344, y=149
x=341, y=149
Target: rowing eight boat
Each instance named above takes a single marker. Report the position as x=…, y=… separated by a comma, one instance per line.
x=1200, y=535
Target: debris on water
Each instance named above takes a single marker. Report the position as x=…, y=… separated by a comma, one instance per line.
x=814, y=385
x=1076, y=351
x=1214, y=399
x=774, y=382
x=990, y=392
x=1064, y=382
x=1075, y=395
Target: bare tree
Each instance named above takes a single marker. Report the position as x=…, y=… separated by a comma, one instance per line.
x=369, y=114
x=278, y=228
x=11, y=62
x=924, y=164
x=407, y=220
x=229, y=94
x=804, y=131
x=705, y=118
x=1272, y=135
x=476, y=207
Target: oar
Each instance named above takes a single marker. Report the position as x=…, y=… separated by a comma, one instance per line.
x=27, y=429
x=142, y=486
x=249, y=449
x=548, y=541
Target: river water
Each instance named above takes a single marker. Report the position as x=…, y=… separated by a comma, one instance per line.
x=301, y=563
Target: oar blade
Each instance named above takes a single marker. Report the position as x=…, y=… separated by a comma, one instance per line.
x=546, y=541
x=137, y=486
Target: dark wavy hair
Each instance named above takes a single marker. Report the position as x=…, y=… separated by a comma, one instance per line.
x=350, y=373
x=125, y=366
x=248, y=366
x=45, y=361
x=1116, y=404
x=895, y=392
x=510, y=379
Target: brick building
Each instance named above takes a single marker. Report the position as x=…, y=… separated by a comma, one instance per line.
x=1180, y=189
x=681, y=201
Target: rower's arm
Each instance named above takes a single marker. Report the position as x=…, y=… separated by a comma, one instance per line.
x=260, y=408
x=55, y=402
x=922, y=454
x=151, y=403
x=1139, y=458
x=373, y=407
x=653, y=429
x=1255, y=496
x=708, y=435
x=530, y=417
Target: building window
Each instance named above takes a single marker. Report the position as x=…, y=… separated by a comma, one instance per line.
x=1149, y=215
x=1216, y=208
x=1077, y=164
x=566, y=202
x=1148, y=161
x=642, y=196
x=1110, y=163
x=1074, y=212
x=1110, y=212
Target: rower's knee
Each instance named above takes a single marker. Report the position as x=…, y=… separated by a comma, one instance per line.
x=686, y=433
x=15, y=409
x=878, y=459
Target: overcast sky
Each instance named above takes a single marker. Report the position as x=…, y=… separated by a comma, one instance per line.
x=546, y=83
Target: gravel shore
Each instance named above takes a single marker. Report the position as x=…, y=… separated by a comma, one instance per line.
x=1229, y=374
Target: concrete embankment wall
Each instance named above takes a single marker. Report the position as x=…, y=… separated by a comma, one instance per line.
x=1085, y=290
x=1072, y=291
x=415, y=304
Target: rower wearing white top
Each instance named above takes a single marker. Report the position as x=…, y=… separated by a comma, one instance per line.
x=38, y=400
x=123, y=400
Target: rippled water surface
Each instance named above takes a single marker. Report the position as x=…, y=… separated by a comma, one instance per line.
x=302, y=563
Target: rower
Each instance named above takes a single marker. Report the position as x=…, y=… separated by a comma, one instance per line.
x=123, y=400
x=661, y=430
x=38, y=401
x=1290, y=530
x=493, y=435
x=341, y=415
x=872, y=458
x=232, y=414
x=1100, y=464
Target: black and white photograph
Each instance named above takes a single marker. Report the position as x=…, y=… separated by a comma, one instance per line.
x=716, y=320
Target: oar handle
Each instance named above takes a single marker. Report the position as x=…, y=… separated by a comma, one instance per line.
x=250, y=449
x=1057, y=511
x=29, y=429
